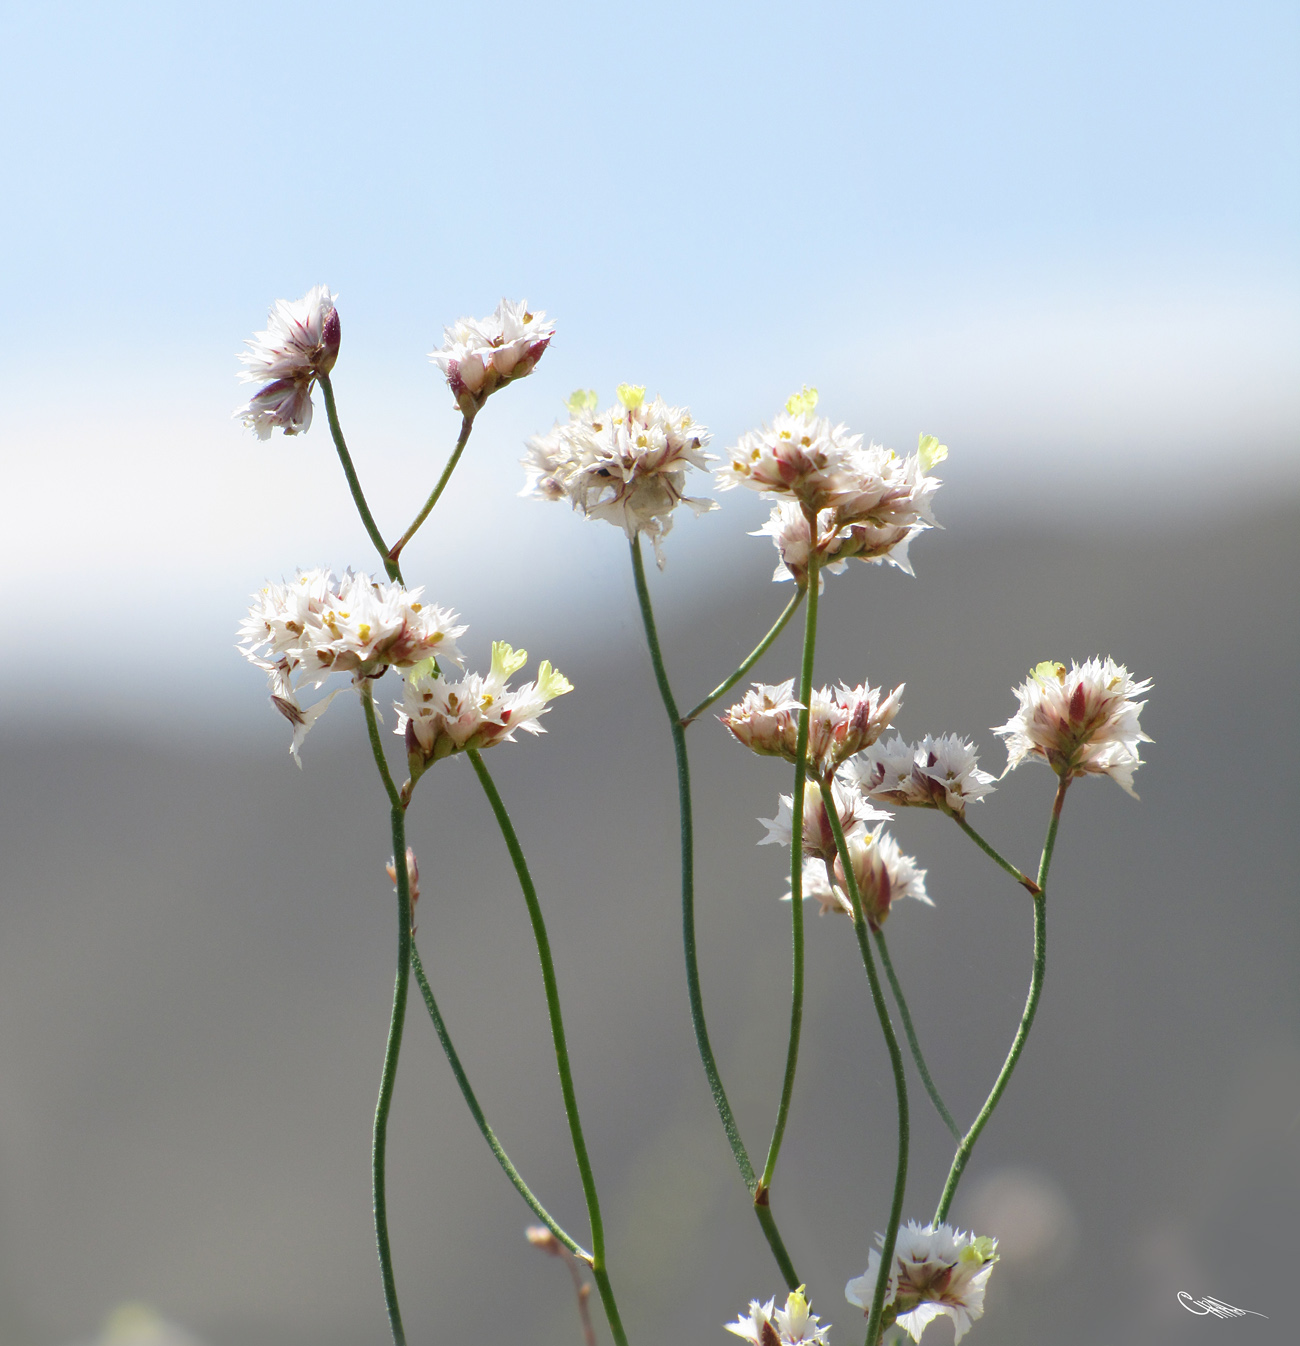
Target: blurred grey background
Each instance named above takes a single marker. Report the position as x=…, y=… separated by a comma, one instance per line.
x=196, y=964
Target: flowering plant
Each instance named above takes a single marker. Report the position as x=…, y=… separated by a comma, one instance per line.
x=834, y=500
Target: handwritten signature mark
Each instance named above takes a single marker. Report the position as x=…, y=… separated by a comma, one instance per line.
x=1210, y=1305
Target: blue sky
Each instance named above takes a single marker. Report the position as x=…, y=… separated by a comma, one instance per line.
x=1060, y=236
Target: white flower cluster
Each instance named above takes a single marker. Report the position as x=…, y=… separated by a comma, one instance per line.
x=480, y=355
x=867, y=502
x=936, y=773
x=303, y=631
x=626, y=465
x=1081, y=723
x=301, y=342
x=937, y=1271
x=793, y=1325
x=853, y=811
x=882, y=872
x=438, y=718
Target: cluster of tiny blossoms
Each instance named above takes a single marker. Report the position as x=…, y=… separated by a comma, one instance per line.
x=626, y=465
x=301, y=342
x=794, y=1325
x=480, y=355
x=936, y=773
x=835, y=497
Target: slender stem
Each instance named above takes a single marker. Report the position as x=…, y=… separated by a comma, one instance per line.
x=761, y=1208
x=993, y=855
x=796, y=877
x=967, y=1144
x=379, y=1151
x=354, y=483
x=561, y=1045
x=751, y=659
x=912, y=1040
x=502, y=1158
x=895, y=1060
x=466, y=425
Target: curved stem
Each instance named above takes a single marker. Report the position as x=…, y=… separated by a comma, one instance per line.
x=751, y=659
x=379, y=1147
x=796, y=877
x=896, y=1061
x=502, y=1158
x=912, y=1040
x=967, y=1144
x=354, y=483
x=561, y=1045
x=1023, y=879
x=741, y=1155
x=466, y=425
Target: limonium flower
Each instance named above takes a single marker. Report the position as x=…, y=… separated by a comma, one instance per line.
x=301, y=342
x=936, y=773
x=793, y=1325
x=1083, y=722
x=882, y=872
x=626, y=465
x=818, y=835
x=480, y=355
x=937, y=1271
x=438, y=718
x=841, y=721
x=303, y=631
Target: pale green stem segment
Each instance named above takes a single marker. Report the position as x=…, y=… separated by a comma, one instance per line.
x=796, y=876
x=466, y=425
x=354, y=483
x=1023, y=879
x=502, y=1158
x=379, y=1149
x=561, y=1045
x=895, y=1059
x=761, y=1208
x=751, y=659
x=912, y=1040
x=967, y=1144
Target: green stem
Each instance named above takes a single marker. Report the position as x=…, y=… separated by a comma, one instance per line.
x=751, y=659
x=379, y=1150
x=967, y=1144
x=895, y=1060
x=561, y=1045
x=796, y=875
x=912, y=1040
x=760, y=1196
x=502, y=1158
x=466, y=425
x=354, y=483
x=993, y=855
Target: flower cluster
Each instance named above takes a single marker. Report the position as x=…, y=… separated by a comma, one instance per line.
x=881, y=872
x=842, y=720
x=936, y=773
x=793, y=1325
x=438, y=718
x=626, y=465
x=853, y=811
x=1081, y=723
x=303, y=631
x=937, y=1271
x=301, y=343
x=480, y=355
x=836, y=498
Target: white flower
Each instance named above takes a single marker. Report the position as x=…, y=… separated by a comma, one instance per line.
x=934, y=773
x=793, y=1325
x=438, y=718
x=818, y=835
x=766, y=719
x=626, y=465
x=882, y=872
x=1080, y=723
x=300, y=344
x=841, y=721
x=936, y=1271
x=301, y=632
x=480, y=355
